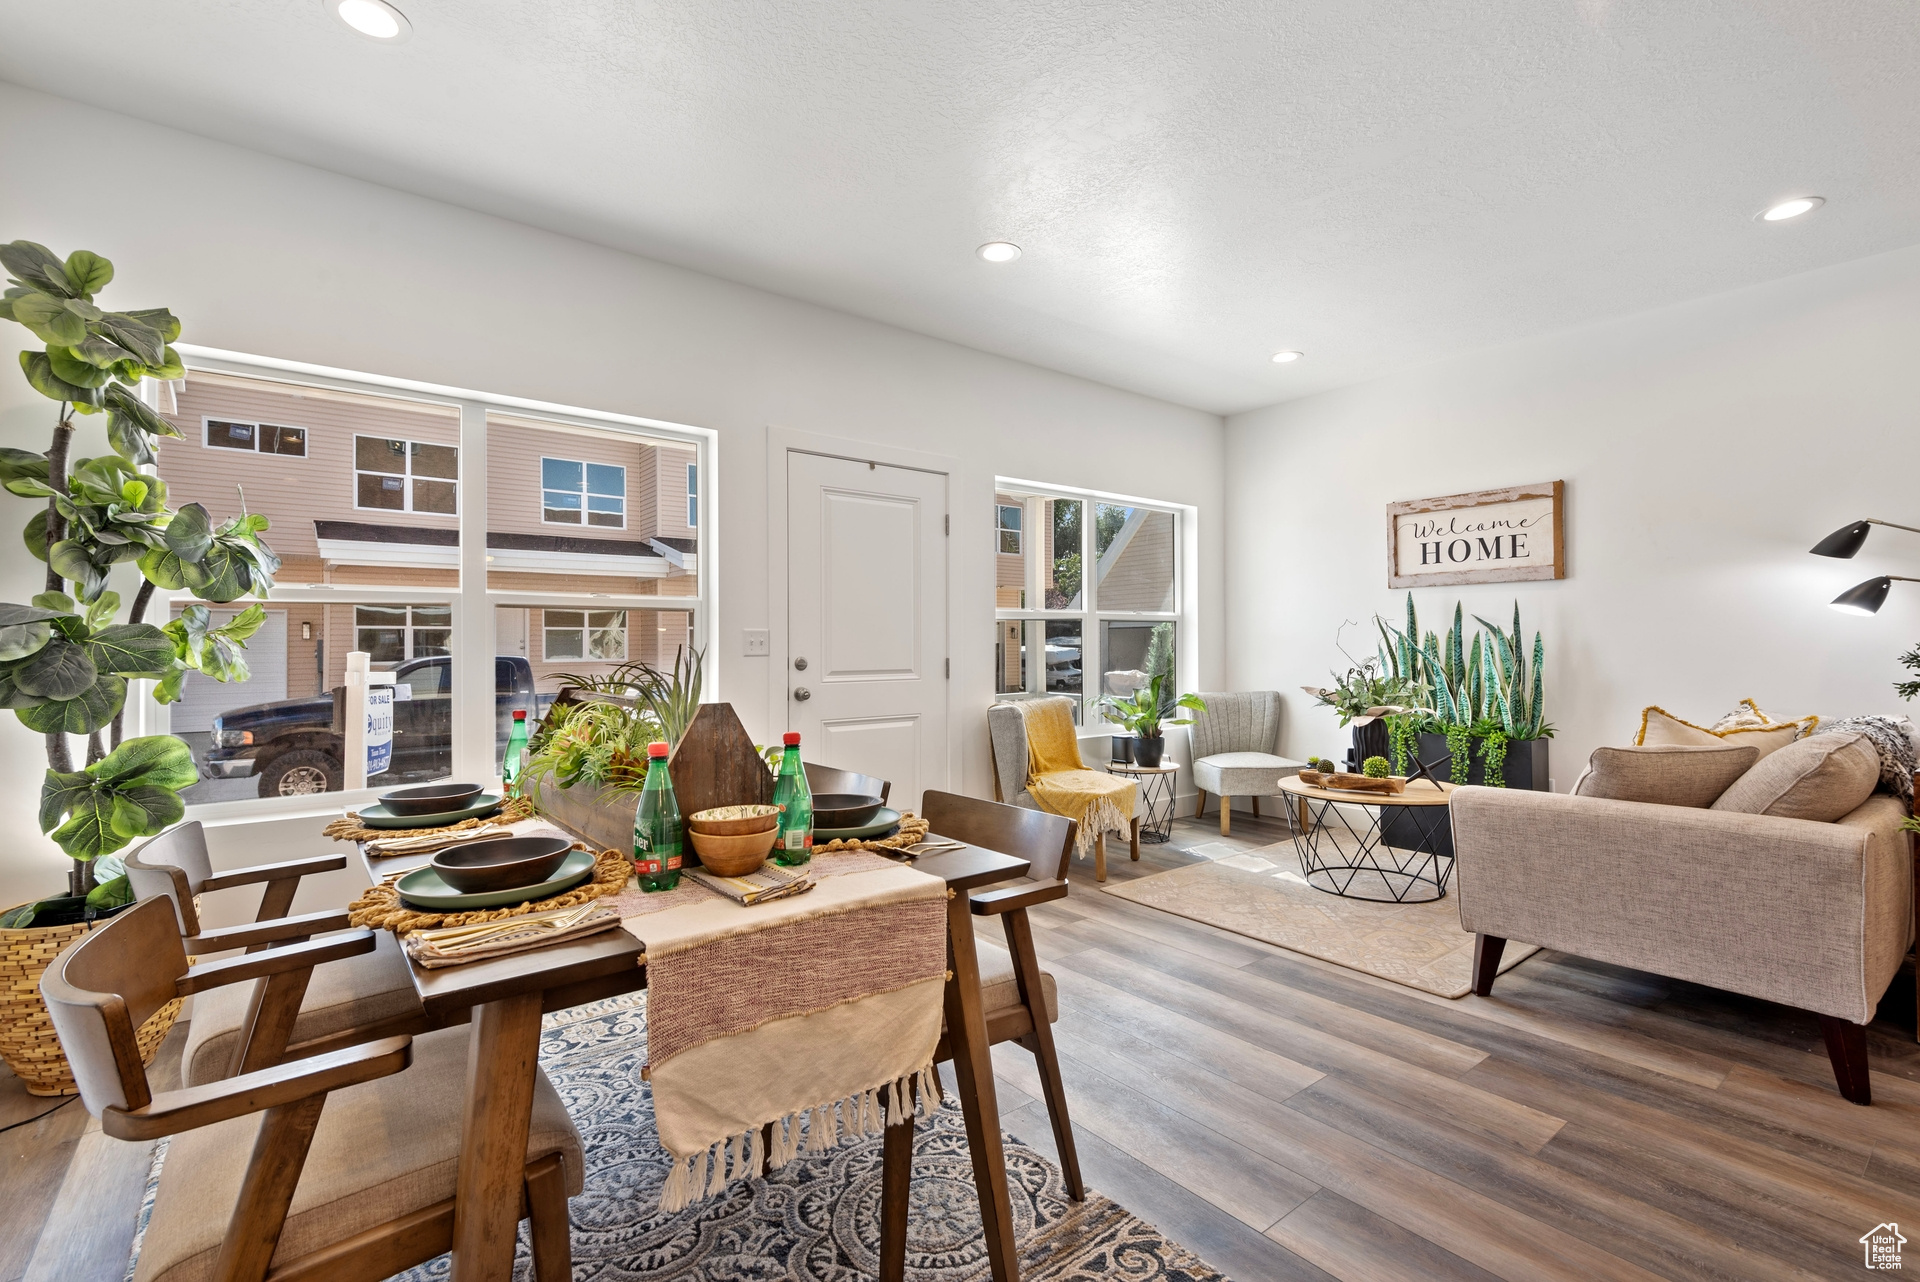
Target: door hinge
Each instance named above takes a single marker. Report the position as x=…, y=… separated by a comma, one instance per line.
x=949, y=669
x=946, y=525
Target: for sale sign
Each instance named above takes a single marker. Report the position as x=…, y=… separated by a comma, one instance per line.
x=379, y=729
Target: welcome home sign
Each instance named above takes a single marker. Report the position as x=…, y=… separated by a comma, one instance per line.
x=1489, y=536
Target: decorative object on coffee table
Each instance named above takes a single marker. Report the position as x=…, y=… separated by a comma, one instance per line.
x=1352, y=857
x=1157, y=787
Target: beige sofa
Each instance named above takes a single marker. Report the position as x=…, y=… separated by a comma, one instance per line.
x=1812, y=915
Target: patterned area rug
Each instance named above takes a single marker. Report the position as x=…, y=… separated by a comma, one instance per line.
x=1262, y=895
x=815, y=1220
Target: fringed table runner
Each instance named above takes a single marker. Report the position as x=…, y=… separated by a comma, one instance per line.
x=805, y=1013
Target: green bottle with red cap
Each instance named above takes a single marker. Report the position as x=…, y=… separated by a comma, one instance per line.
x=656, y=826
x=790, y=793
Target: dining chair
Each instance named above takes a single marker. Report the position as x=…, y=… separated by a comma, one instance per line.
x=1007, y=743
x=828, y=779
x=360, y=998
x=260, y=1173
x=1021, y=1002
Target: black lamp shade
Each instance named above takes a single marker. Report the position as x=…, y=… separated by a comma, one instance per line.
x=1864, y=598
x=1845, y=541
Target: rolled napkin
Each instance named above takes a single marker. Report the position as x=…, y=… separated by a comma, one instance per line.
x=433, y=842
x=770, y=881
x=454, y=945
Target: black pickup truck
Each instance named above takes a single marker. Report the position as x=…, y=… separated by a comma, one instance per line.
x=293, y=748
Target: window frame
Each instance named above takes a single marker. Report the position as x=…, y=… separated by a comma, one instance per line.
x=693, y=495
x=474, y=641
x=585, y=629
x=206, y=437
x=1088, y=613
x=407, y=629
x=407, y=506
x=1001, y=529
x=584, y=494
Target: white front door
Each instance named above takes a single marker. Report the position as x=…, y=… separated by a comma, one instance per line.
x=866, y=663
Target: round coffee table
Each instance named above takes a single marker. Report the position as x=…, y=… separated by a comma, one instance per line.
x=1390, y=857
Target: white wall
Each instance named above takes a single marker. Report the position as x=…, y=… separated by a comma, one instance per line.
x=1705, y=448
x=266, y=256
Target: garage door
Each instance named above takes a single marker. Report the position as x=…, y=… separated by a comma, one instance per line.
x=203, y=699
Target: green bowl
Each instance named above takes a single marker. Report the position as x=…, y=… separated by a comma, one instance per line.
x=422, y=888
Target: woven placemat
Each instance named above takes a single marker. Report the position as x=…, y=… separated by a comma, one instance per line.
x=381, y=906
x=349, y=828
x=912, y=831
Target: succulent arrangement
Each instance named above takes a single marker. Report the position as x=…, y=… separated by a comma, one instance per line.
x=1375, y=768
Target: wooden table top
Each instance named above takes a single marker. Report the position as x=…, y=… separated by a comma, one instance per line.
x=1420, y=792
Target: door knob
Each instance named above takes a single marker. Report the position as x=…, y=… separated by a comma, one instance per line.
x=802, y=694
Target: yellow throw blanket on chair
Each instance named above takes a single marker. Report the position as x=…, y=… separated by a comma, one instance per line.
x=1061, y=782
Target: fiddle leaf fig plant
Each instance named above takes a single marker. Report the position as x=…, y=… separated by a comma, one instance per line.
x=66, y=658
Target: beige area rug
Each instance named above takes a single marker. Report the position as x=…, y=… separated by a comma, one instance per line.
x=1262, y=895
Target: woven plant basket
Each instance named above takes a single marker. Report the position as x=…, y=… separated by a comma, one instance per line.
x=28, y=1043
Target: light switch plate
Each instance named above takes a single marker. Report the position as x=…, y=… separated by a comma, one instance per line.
x=756, y=642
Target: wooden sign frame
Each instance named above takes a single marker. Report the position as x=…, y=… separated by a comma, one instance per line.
x=1453, y=511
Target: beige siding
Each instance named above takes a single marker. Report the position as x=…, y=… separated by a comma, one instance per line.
x=514, y=503
x=652, y=637
x=1141, y=577
x=670, y=517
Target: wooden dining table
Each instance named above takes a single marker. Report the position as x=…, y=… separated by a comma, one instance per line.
x=504, y=998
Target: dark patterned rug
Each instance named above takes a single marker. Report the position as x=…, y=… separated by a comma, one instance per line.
x=818, y=1218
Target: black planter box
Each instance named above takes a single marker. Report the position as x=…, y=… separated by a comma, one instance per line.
x=1525, y=768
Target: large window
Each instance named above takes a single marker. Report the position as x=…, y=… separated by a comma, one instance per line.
x=576, y=562
x=405, y=476
x=1088, y=597
x=577, y=493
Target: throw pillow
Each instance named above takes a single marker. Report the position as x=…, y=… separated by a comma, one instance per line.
x=1659, y=727
x=1894, y=738
x=1665, y=774
x=1821, y=778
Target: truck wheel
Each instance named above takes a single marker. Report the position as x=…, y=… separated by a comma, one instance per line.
x=300, y=773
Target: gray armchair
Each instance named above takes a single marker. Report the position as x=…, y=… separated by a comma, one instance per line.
x=1007, y=735
x=1233, y=751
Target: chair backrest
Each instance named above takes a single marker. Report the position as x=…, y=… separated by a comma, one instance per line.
x=1243, y=721
x=174, y=864
x=1045, y=840
x=829, y=779
x=102, y=989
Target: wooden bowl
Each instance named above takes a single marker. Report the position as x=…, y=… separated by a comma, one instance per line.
x=843, y=810
x=734, y=821
x=501, y=863
x=433, y=799
x=733, y=855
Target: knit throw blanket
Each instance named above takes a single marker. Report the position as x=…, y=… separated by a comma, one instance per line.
x=807, y=1013
x=1061, y=782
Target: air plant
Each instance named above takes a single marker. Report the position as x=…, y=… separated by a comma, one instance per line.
x=670, y=698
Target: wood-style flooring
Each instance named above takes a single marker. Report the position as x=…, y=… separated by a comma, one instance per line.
x=1288, y=1119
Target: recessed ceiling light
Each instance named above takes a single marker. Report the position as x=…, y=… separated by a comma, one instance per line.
x=375, y=19
x=1791, y=208
x=1286, y=358
x=999, y=251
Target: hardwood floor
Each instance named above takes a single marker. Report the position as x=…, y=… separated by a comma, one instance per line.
x=1290, y=1120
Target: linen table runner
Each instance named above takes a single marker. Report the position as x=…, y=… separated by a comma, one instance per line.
x=805, y=1013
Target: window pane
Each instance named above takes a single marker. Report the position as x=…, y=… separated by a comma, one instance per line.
x=566, y=619
x=1132, y=654
x=229, y=436
x=1136, y=558
x=291, y=441
x=564, y=643
x=384, y=646
x=1062, y=554
x=380, y=615
x=1010, y=655
x=1063, y=657
x=436, y=460
x=587, y=510
x=375, y=454
x=435, y=496
x=389, y=492
x=432, y=616
x=428, y=641
x=1037, y=558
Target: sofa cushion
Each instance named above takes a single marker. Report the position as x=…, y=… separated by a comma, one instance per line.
x=1659, y=727
x=1243, y=774
x=1821, y=779
x=1665, y=774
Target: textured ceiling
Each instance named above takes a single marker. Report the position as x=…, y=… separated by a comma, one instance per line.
x=1196, y=185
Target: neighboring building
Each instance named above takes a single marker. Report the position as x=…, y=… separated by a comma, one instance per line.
x=366, y=490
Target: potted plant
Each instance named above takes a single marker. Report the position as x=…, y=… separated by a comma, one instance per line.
x=1368, y=693
x=1144, y=712
x=64, y=659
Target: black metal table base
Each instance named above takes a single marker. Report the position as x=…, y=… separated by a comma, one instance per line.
x=1395, y=851
x=1156, y=802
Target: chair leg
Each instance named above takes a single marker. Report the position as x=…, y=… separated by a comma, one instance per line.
x=1133, y=841
x=1486, y=961
x=1100, y=857
x=1033, y=994
x=1847, y=1048
x=1256, y=806
x=1199, y=804
x=279, y=1154
x=1226, y=815
x=547, y=1207
x=896, y=1187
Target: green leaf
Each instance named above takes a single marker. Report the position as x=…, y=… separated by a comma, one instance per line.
x=11, y=696
x=117, y=893
x=60, y=670
x=34, y=535
x=23, y=639
x=190, y=533
x=121, y=398
x=144, y=809
x=135, y=335
x=36, y=265
x=244, y=624
x=163, y=569
x=60, y=792
x=22, y=465
x=83, y=715
x=223, y=574
x=70, y=560
x=102, y=352
x=49, y=605
x=100, y=612
x=168, y=689
x=50, y=319
x=40, y=375
x=18, y=918
x=88, y=832
x=131, y=649
x=70, y=368
x=171, y=367
x=157, y=760
x=159, y=319
x=87, y=272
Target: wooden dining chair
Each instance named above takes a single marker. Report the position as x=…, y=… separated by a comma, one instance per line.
x=262, y=1174
x=827, y=779
x=357, y=999
x=1021, y=1002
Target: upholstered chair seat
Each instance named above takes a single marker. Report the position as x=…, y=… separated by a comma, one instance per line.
x=1000, y=991
x=1233, y=756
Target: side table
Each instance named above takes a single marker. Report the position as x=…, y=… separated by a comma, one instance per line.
x=1156, y=797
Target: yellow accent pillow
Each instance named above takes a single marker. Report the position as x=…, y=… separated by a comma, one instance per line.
x=1658, y=727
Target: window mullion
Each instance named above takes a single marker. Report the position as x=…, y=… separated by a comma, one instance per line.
x=473, y=645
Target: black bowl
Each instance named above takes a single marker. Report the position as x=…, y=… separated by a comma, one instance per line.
x=843, y=809
x=501, y=863
x=433, y=799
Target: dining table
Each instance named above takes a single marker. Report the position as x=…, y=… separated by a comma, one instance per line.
x=504, y=998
